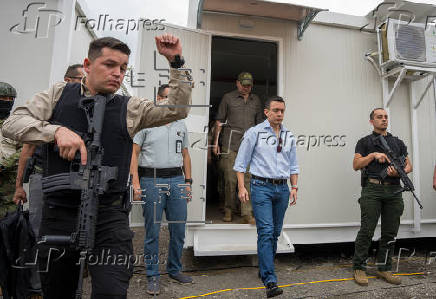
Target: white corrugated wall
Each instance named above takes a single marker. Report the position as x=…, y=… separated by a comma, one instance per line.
x=330, y=89
x=196, y=48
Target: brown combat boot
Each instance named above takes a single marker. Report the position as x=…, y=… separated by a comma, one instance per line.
x=227, y=215
x=248, y=220
x=360, y=277
x=388, y=277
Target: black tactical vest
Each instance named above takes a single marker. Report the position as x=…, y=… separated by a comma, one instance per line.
x=116, y=142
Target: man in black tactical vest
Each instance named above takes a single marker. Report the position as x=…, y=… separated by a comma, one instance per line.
x=54, y=117
x=74, y=74
x=381, y=197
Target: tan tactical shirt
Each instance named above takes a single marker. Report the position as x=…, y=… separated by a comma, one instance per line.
x=29, y=123
x=237, y=116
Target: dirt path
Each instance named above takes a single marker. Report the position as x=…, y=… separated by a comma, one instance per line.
x=312, y=272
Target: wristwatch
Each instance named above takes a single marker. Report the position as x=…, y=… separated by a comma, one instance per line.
x=178, y=62
x=188, y=181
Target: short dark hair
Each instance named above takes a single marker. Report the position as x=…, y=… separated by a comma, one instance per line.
x=72, y=70
x=273, y=99
x=162, y=88
x=97, y=45
x=371, y=115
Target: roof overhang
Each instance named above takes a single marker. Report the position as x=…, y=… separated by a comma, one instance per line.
x=285, y=10
x=417, y=11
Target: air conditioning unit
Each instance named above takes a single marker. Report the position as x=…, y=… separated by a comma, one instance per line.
x=410, y=43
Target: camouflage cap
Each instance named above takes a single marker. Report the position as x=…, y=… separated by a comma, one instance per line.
x=6, y=90
x=245, y=78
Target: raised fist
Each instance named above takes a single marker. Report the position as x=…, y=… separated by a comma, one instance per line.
x=169, y=46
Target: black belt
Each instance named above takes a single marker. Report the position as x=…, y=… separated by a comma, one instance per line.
x=381, y=182
x=272, y=181
x=72, y=199
x=160, y=172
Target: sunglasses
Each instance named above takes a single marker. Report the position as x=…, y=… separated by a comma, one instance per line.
x=279, y=146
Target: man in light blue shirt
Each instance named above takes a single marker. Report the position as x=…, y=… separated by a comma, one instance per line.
x=270, y=150
x=164, y=176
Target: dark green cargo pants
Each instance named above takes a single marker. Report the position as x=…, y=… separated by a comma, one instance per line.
x=375, y=201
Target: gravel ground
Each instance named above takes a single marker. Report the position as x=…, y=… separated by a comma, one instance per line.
x=304, y=274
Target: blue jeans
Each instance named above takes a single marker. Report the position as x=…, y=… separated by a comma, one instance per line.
x=156, y=200
x=269, y=203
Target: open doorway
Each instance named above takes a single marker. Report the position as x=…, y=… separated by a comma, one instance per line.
x=231, y=56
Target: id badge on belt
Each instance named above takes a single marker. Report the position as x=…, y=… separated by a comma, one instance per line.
x=179, y=142
x=178, y=146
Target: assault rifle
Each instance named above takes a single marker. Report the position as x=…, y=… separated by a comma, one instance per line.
x=398, y=163
x=92, y=179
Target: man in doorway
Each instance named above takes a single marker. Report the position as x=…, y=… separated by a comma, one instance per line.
x=379, y=197
x=270, y=149
x=54, y=116
x=164, y=169
x=238, y=111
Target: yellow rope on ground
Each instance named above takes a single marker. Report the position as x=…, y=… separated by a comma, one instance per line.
x=295, y=284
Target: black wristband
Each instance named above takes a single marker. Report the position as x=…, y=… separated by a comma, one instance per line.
x=178, y=62
x=188, y=181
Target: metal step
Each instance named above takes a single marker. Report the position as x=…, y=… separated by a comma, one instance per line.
x=231, y=239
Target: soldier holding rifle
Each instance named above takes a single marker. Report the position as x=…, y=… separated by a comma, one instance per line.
x=55, y=116
x=381, y=197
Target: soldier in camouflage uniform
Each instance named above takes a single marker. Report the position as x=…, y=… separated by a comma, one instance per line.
x=9, y=153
